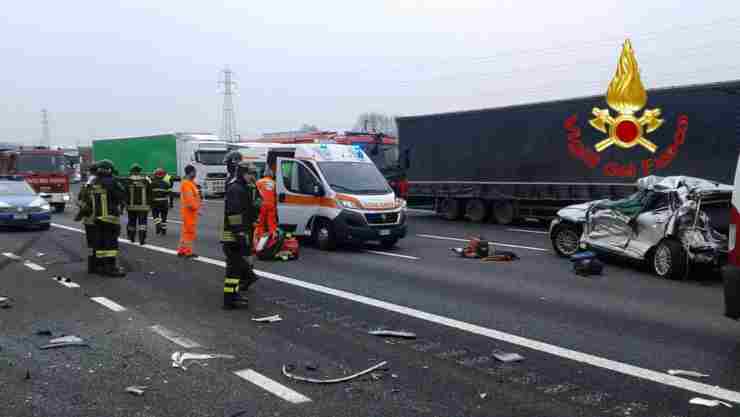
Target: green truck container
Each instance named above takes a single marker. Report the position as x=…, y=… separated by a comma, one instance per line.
x=172, y=152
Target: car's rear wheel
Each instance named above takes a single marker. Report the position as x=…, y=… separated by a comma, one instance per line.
x=669, y=260
x=565, y=239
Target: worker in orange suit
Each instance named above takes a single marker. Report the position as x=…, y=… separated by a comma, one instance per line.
x=190, y=204
x=268, y=210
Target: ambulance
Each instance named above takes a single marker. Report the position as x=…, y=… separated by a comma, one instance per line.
x=331, y=193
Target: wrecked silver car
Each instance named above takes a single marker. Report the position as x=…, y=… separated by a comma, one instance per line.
x=670, y=222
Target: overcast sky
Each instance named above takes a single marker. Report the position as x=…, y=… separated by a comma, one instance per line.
x=107, y=69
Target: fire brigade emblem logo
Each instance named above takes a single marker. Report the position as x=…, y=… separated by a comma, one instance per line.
x=626, y=95
x=626, y=129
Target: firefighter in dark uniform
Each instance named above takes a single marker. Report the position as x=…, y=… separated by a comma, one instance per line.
x=231, y=160
x=86, y=216
x=240, y=213
x=139, y=190
x=105, y=195
x=161, y=194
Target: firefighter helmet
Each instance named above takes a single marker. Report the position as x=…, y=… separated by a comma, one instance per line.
x=135, y=168
x=159, y=173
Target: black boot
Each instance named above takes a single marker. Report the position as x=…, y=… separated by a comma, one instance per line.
x=113, y=270
x=92, y=264
x=142, y=237
x=132, y=236
x=233, y=301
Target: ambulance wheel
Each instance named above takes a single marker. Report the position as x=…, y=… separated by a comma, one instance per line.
x=669, y=260
x=389, y=243
x=324, y=236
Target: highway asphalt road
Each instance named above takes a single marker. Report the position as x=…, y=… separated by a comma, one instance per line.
x=591, y=346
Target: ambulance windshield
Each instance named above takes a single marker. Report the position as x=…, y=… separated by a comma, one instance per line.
x=354, y=177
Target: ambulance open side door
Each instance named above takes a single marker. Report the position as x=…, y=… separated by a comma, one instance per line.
x=299, y=195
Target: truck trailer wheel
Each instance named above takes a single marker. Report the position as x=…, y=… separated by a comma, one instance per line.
x=503, y=212
x=450, y=209
x=476, y=210
x=668, y=260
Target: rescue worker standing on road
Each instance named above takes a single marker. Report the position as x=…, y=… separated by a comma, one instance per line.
x=139, y=190
x=268, y=209
x=161, y=195
x=190, y=204
x=240, y=213
x=85, y=215
x=104, y=197
x=231, y=160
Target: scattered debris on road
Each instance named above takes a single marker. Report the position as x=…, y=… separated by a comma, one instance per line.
x=393, y=333
x=507, y=356
x=268, y=319
x=65, y=341
x=483, y=395
x=480, y=248
x=40, y=254
x=331, y=381
x=502, y=256
x=586, y=264
x=687, y=373
x=136, y=390
x=179, y=358
x=708, y=403
x=5, y=302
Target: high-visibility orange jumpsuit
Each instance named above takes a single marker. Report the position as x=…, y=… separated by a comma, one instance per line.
x=268, y=210
x=190, y=204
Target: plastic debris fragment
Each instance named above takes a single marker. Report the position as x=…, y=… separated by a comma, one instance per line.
x=483, y=395
x=508, y=356
x=268, y=319
x=708, y=403
x=136, y=389
x=66, y=339
x=179, y=358
x=687, y=373
x=5, y=302
x=393, y=333
x=331, y=381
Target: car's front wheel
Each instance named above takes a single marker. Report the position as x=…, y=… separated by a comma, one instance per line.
x=565, y=239
x=669, y=260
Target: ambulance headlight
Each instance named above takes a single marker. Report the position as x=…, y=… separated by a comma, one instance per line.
x=400, y=203
x=348, y=204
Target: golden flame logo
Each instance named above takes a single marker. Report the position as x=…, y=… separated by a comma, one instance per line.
x=626, y=95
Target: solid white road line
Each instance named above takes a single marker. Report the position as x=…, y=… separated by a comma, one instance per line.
x=11, y=256
x=274, y=387
x=397, y=255
x=35, y=267
x=109, y=303
x=174, y=337
x=538, y=232
x=506, y=245
x=593, y=360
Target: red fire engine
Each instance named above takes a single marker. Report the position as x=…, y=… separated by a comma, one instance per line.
x=44, y=170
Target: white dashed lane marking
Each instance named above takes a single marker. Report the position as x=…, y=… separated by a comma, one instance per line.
x=272, y=386
x=109, y=303
x=174, y=337
x=574, y=355
x=396, y=255
x=537, y=232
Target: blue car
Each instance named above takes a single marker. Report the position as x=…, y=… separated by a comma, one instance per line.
x=21, y=206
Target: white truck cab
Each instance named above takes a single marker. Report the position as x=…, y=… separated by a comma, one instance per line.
x=206, y=153
x=731, y=270
x=333, y=193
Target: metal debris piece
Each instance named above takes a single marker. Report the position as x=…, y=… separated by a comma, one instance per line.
x=508, y=356
x=483, y=395
x=331, y=381
x=393, y=333
x=66, y=339
x=708, y=403
x=268, y=319
x=136, y=389
x=687, y=373
x=179, y=358
x=40, y=254
x=61, y=345
x=5, y=302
